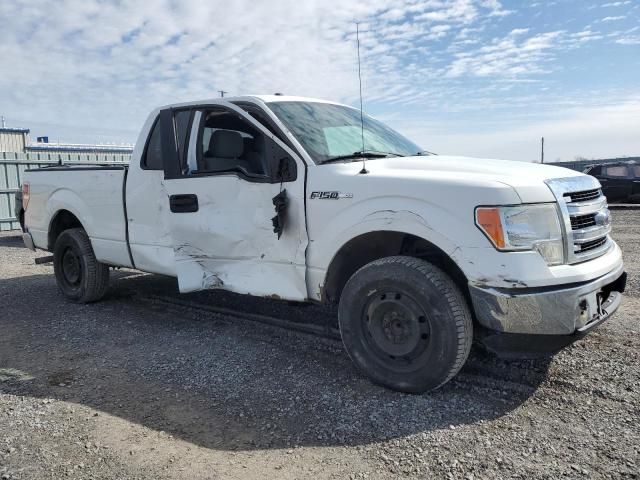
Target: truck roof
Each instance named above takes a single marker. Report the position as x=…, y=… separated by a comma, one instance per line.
x=253, y=98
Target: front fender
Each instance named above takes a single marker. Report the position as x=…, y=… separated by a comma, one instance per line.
x=393, y=215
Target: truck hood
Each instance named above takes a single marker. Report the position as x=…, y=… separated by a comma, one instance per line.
x=527, y=179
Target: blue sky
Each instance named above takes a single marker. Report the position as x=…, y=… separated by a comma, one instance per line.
x=483, y=78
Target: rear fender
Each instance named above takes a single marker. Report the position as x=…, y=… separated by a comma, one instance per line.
x=65, y=199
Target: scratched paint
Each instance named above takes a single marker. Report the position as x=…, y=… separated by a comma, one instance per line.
x=229, y=242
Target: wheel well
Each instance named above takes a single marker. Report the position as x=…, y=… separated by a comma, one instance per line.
x=371, y=246
x=63, y=220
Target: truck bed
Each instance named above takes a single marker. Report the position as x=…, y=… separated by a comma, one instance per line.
x=93, y=194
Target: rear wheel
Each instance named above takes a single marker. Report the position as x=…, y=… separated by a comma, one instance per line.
x=405, y=324
x=79, y=275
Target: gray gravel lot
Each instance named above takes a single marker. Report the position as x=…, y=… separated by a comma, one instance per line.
x=137, y=386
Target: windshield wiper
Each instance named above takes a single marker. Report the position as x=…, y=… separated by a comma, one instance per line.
x=365, y=154
x=425, y=152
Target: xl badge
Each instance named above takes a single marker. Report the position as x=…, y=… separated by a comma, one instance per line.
x=330, y=195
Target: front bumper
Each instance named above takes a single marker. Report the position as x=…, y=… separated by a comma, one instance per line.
x=566, y=310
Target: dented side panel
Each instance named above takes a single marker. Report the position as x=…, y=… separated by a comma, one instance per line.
x=246, y=237
x=229, y=242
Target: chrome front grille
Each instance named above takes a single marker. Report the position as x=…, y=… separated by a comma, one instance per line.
x=583, y=221
x=583, y=196
x=585, y=216
x=593, y=244
x=590, y=227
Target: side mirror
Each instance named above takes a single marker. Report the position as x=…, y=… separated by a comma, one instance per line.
x=287, y=170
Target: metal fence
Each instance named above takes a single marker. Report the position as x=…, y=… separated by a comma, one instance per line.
x=13, y=165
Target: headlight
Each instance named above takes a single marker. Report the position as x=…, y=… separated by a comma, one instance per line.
x=525, y=227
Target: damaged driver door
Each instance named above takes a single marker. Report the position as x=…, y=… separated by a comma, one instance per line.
x=236, y=203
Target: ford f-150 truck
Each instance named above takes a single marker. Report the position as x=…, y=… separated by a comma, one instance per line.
x=304, y=200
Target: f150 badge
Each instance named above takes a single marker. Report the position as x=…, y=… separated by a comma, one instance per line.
x=330, y=195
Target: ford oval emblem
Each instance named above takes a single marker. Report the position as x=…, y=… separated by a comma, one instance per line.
x=603, y=218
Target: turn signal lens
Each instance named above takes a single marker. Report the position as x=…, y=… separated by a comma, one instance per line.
x=488, y=219
x=25, y=195
x=514, y=228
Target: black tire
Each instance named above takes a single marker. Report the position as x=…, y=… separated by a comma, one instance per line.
x=405, y=324
x=79, y=275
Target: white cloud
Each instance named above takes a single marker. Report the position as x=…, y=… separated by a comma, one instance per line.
x=628, y=40
x=616, y=4
x=512, y=55
x=464, y=11
x=575, y=40
x=86, y=62
x=72, y=64
x=496, y=8
x=91, y=70
x=613, y=19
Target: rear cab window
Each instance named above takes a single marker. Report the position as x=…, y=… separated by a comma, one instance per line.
x=152, y=157
x=182, y=119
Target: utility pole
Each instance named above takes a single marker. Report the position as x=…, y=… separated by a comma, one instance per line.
x=3, y=124
x=222, y=92
x=542, y=150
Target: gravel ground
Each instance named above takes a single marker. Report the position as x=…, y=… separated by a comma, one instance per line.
x=133, y=387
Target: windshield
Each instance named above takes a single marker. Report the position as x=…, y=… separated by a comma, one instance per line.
x=327, y=131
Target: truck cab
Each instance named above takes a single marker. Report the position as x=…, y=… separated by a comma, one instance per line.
x=620, y=181
x=220, y=177
x=310, y=200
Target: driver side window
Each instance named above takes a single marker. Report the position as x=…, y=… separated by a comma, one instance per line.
x=227, y=143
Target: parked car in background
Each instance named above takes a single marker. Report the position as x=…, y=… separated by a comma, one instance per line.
x=19, y=211
x=620, y=181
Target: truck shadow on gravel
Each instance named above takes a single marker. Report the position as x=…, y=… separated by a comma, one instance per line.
x=224, y=383
x=11, y=240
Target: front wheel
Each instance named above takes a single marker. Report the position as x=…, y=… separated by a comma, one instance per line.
x=79, y=275
x=405, y=324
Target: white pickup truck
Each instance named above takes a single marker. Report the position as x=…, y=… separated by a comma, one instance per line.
x=293, y=198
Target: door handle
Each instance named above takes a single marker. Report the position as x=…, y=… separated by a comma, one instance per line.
x=185, y=203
